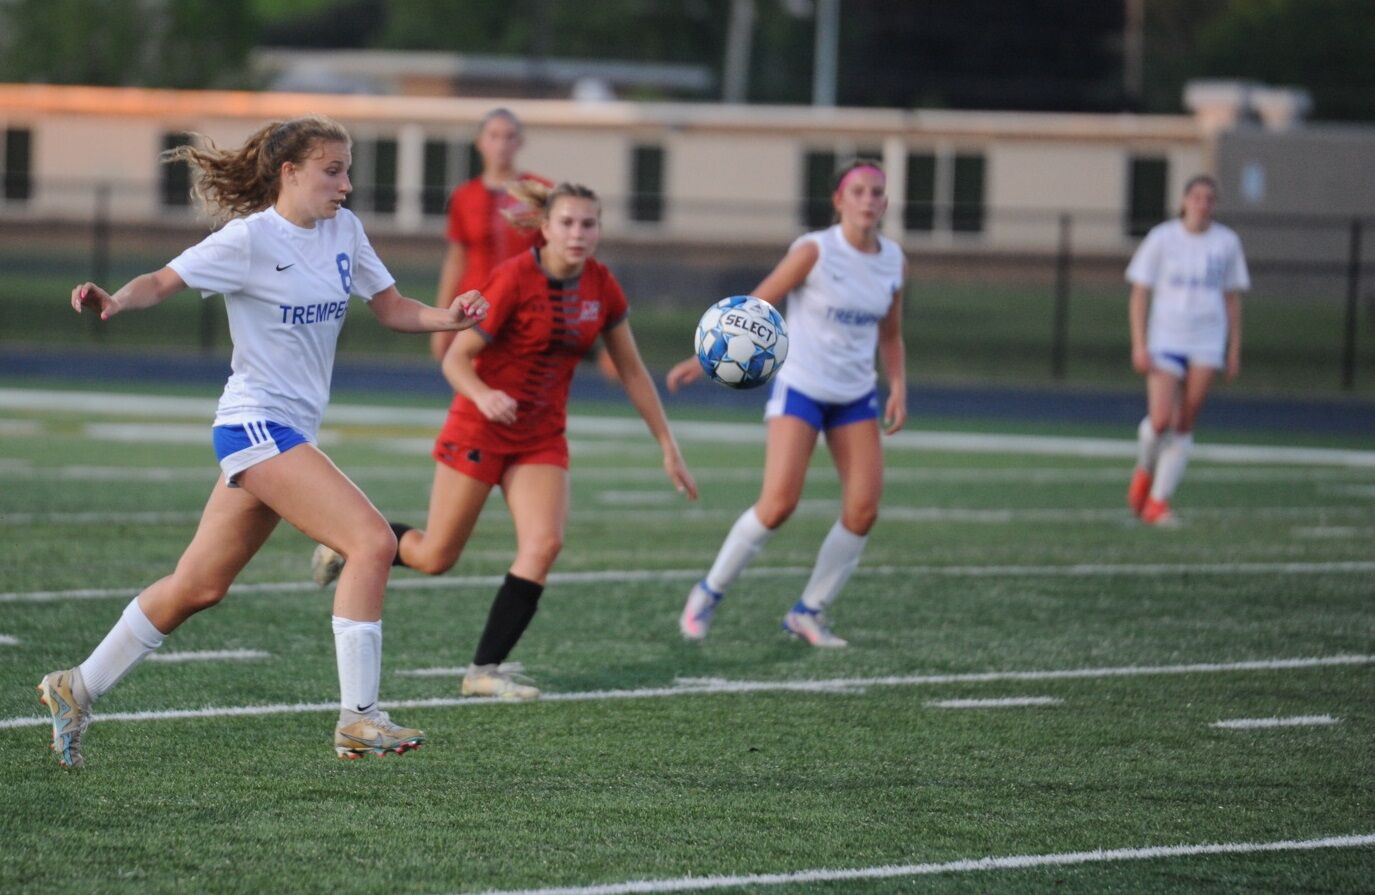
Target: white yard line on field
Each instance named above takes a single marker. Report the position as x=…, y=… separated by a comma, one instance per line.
x=820, y=473
x=1080, y=570
x=998, y=703
x=211, y=655
x=1292, y=721
x=968, y=865
x=628, y=506
x=24, y=428
x=616, y=428
x=716, y=686
x=150, y=517
x=8, y=640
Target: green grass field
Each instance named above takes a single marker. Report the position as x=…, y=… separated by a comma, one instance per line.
x=983, y=327
x=994, y=574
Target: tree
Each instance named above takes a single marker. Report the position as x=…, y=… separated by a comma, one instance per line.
x=1321, y=45
x=148, y=43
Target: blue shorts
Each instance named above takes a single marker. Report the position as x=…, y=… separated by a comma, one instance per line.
x=820, y=415
x=241, y=445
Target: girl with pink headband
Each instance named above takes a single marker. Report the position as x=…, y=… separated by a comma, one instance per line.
x=844, y=288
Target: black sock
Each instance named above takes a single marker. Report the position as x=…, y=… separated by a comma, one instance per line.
x=399, y=528
x=511, y=612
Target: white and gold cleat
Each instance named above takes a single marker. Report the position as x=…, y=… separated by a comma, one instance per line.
x=498, y=681
x=63, y=694
x=376, y=735
x=325, y=565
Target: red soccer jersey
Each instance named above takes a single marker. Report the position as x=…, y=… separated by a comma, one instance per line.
x=537, y=329
x=476, y=222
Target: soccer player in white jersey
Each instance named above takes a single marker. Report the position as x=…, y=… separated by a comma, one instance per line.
x=287, y=262
x=1190, y=272
x=844, y=290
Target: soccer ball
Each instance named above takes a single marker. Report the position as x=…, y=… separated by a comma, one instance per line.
x=741, y=341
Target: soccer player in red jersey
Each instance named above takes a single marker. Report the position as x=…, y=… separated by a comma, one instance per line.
x=507, y=421
x=483, y=212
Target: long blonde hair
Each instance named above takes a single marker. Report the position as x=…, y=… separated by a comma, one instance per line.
x=537, y=198
x=229, y=183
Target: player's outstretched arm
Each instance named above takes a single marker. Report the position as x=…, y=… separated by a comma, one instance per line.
x=141, y=292
x=683, y=373
x=450, y=272
x=1233, y=303
x=397, y=312
x=639, y=387
x=893, y=354
x=1137, y=306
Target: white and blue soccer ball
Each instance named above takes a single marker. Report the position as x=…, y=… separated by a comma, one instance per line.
x=741, y=341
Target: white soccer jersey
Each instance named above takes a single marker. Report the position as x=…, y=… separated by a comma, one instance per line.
x=286, y=289
x=833, y=317
x=1188, y=274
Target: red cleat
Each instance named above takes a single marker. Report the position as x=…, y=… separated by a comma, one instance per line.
x=1157, y=513
x=1139, y=490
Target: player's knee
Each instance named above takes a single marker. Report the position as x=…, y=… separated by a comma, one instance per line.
x=433, y=562
x=371, y=545
x=197, y=596
x=542, y=550
x=859, y=519
x=774, y=513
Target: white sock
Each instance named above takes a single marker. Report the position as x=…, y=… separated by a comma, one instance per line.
x=131, y=639
x=1173, y=458
x=747, y=537
x=358, y=651
x=835, y=562
x=1148, y=445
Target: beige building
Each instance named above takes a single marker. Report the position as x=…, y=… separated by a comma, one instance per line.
x=731, y=175
x=668, y=172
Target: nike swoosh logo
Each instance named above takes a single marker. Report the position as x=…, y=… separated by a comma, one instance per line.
x=285, y=266
x=363, y=708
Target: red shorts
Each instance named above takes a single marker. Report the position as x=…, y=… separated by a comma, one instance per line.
x=489, y=466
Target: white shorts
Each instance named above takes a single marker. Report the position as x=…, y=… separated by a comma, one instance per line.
x=1177, y=362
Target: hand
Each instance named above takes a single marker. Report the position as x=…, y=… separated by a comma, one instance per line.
x=678, y=474
x=894, y=413
x=467, y=309
x=89, y=295
x=497, y=407
x=1141, y=360
x=683, y=373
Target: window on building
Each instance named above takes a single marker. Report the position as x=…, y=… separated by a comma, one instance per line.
x=967, y=197
x=818, y=168
x=1147, y=189
x=384, y=177
x=472, y=163
x=434, y=177
x=174, y=180
x=919, y=203
x=18, y=161
x=647, y=184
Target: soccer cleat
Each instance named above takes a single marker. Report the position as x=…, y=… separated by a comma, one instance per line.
x=498, y=681
x=810, y=625
x=71, y=715
x=1139, y=490
x=1157, y=513
x=376, y=735
x=698, y=611
x=325, y=565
